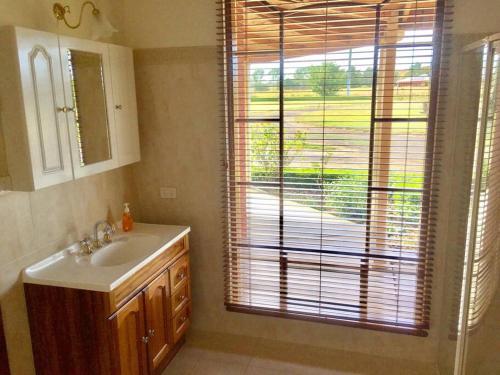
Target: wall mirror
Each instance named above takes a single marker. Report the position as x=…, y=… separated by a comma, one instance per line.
x=90, y=107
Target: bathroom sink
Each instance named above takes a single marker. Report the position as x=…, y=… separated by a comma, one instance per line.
x=123, y=250
x=108, y=266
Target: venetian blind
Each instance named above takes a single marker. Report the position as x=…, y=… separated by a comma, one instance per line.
x=484, y=211
x=330, y=156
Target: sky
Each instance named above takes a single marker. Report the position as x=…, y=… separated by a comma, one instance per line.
x=362, y=58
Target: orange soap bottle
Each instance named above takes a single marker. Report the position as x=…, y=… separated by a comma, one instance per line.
x=127, y=220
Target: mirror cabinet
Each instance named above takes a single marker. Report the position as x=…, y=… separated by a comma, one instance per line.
x=68, y=107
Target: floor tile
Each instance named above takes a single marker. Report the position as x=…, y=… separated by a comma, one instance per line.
x=183, y=363
x=211, y=367
x=220, y=354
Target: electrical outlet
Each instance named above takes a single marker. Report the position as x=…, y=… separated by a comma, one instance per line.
x=168, y=193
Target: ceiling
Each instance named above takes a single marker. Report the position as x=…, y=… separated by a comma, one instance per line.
x=314, y=26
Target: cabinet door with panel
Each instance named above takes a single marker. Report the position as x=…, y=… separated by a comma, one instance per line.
x=33, y=117
x=130, y=337
x=125, y=104
x=88, y=90
x=156, y=304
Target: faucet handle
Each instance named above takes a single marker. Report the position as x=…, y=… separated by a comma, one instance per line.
x=107, y=236
x=86, y=246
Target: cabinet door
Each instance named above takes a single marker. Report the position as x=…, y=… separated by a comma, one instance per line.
x=130, y=337
x=88, y=90
x=46, y=123
x=157, y=319
x=125, y=104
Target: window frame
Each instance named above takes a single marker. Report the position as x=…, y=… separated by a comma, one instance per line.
x=428, y=205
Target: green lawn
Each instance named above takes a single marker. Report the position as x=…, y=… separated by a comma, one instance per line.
x=341, y=111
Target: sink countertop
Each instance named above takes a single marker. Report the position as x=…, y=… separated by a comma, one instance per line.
x=64, y=269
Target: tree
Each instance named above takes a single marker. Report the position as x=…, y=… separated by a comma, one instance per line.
x=325, y=79
x=418, y=70
x=274, y=73
x=257, y=79
x=266, y=148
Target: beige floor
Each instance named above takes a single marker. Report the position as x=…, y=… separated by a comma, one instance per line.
x=214, y=354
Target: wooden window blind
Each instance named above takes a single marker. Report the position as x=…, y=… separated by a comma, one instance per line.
x=483, y=234
x=331, y=159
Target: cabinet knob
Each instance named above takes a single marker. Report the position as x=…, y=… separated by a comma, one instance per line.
x=151, y=332
x=145, y=339
x=181, y=275
x=118, y=106
x=64, y=109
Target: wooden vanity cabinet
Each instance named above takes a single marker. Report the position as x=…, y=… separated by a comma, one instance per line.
x=129, y=332
x=157, y=299
x=4, y=361
x=85, y=332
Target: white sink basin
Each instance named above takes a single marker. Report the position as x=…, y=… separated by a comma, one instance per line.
x=124, y=250
x=109, y=266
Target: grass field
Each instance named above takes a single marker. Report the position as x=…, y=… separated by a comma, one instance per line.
x=340, y=111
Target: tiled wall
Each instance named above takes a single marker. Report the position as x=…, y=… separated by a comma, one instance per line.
x=34, y=225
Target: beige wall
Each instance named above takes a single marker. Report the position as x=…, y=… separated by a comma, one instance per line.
x=34, y=225
x=180, y=137
x=170, y=23
x=37, y=14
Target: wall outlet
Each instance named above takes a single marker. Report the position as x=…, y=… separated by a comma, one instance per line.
x=168, y=193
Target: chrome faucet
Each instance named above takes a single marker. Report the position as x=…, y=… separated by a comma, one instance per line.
x=108, y=231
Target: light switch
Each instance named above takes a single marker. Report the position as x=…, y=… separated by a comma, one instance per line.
x=168, y=193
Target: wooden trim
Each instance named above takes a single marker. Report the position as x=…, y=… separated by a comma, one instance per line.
x=146, y=274
x=181, y=322
x=69, y=331
x=181, y=297
x=4, y=360
x=129, y=328
x=179, y=273
x=340, y=322
x=158, y=315
x=168, y=358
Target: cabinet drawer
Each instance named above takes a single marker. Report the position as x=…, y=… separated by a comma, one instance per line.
x=145, y=275
x=181, y=322
x=180, y=297
x=179, y=272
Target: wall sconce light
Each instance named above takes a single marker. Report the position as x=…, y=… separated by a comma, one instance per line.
x=101, y=29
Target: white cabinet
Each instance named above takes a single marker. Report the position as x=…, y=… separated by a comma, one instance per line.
x=67, y=107
x=125, y=104
x=89, y=95
x=31, y=102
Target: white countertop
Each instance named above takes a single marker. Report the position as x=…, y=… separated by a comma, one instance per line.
x=67, y=270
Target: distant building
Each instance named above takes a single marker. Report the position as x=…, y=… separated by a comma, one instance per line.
x=413, y=82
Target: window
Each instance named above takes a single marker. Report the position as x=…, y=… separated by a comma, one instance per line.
x=330, y=110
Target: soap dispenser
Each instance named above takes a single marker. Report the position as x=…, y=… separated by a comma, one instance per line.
x=127, y=220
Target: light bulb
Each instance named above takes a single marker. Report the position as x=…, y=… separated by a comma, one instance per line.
x=102, y=28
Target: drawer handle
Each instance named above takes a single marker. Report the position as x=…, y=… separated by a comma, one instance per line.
x=181, y=297
x=118, y=106
x=181, y=320
x=151, y=333
x=145, y=339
